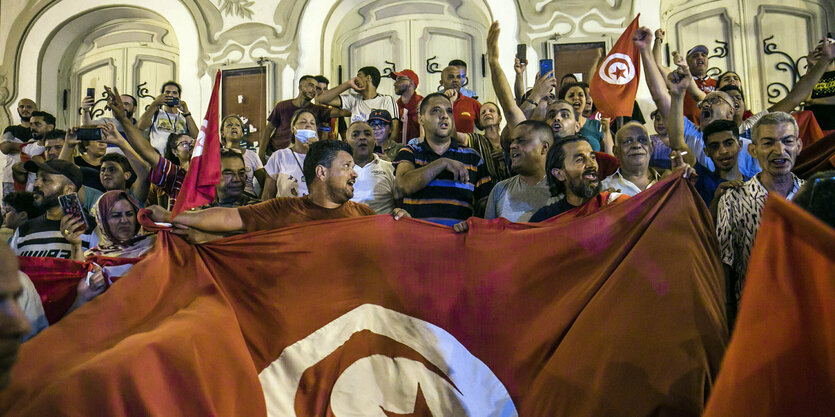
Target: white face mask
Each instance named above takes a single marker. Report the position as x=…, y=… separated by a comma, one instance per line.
x=303, y=135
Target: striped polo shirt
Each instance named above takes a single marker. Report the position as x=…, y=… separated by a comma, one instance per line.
x=169, y=178
x=42, y=237
x=443, y=200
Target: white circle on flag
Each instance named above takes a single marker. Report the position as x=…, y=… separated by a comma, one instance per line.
x=617, y=69
x=476, y=389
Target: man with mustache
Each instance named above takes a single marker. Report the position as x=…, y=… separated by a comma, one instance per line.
x=776, y=146
x=128, y=101
x=571, y=168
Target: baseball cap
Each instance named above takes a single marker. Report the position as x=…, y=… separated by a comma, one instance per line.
x=381, y=115
x=697, y=48
x=407, y=73
x=57, y=166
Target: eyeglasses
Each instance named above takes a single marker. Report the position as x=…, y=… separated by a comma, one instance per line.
x=713, y=101
x=378, y=124
x=185, y=144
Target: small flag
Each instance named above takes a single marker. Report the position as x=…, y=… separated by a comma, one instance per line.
x=204, y=170
x=615, y=84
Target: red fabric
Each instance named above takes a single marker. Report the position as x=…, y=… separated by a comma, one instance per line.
x=465, y=112
x=606, y=164
x=203, y=174
x=819, y=156
x=56, y=279
x=781, y=360
x=411, y=125
x=612, y=98
x=143, y=217
x=810, y=131
x=589, y=320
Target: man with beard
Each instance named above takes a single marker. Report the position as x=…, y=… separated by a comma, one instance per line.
x=375, y=184
x=13, y=322
x=329, y=172
x=405, y=86
x=128, y=101
x=442, y=181
x=277, y=130
x=41, y=124
x=364, y=100
x=518, y=197
x=54, y=234
x=571, y=169
x=466, y=109
x=11, y=141
x=776, y=146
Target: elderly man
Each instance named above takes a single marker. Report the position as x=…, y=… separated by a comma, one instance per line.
x=776, y=146
x=633, y=150
x=375, y=184
x=519, y=197
x=572, y=171
x=466, y=109
x=230, y=190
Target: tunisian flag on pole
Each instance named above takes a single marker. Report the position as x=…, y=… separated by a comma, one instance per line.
x=203, y=174
x=615, y=84
x=781, y=360
x=582, y=316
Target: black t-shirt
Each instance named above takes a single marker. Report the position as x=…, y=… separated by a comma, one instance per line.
x=825, y=114
x=90, y=173
x=20, y=132
x=43, y=238
x=552, y=210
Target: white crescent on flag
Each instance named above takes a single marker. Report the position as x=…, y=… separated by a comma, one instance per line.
x=442, y=376
x=617, y=69
x=201, y=140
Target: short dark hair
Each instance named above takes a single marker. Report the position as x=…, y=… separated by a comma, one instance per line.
x=23, y=201
x=727, y=88
x=457, y=63
x=174, y=83
x=123, y=162
x=232, y=153
x=719, y=79
x=322, y=153
x=47, y=117
x=424, y=102
x=539, y=127
x=817, y=196
x=568, y=75
x=305, y=77
x=170, y=145
x=298, y=113
x=556, y=159
x=372, y=72
x=565, y=88
x=322, y=79
x=717, y=126
x=55, y=134
x=571, y=106
x=132, y=98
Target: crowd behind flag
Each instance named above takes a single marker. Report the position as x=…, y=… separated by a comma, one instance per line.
x=615, y=83
x=477, y=333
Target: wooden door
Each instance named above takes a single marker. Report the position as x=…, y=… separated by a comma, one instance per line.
x=244, y=93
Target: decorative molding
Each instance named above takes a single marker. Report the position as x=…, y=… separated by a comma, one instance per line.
x=776, y=90
x=240, y=8
x=720, y=51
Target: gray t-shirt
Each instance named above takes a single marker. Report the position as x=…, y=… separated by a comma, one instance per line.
x=515, y=200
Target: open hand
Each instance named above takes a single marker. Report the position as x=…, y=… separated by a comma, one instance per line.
x=114, y=102
x=493, y=40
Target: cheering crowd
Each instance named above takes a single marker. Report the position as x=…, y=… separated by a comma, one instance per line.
x=443, y=157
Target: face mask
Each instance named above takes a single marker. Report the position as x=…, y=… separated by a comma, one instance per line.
x=303, y=135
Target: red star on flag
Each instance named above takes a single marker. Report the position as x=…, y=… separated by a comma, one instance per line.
x=421, y=408
x=619, y=73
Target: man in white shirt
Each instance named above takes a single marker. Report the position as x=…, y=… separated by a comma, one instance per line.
x=633, y=150
x=375, y=184
x=365, y=100
x=166, y=115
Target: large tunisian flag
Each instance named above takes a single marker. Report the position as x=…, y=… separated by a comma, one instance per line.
x=615, y=83
x=203, y=174
x=781, y=360
x=583, y=316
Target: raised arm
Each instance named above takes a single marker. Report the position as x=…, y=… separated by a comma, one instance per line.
x=655, y=81
x=692, y=87
x=193, y=131
x=511, y=111
x=140, y=168
x=331, y=97
x=658, y=44
x=593, y=68
x=145, y=120
x=70, y=142
x=211, y=220
x=803, y=87
x=86, y=107
x=519, y=83
x=677, y=82
x=135, y=138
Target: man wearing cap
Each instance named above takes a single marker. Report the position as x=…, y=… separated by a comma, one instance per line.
x=380, y=122
x=697, y=61
x=405, y=86
x=54, y=234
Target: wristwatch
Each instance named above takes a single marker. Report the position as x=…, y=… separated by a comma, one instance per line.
x=186, y=114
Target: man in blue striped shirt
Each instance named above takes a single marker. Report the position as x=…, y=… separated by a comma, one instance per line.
x=442, y=181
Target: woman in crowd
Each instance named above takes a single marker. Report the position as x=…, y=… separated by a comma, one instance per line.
x=231, y=133
x=285, y=166
x=118, y=231
x=488, y=144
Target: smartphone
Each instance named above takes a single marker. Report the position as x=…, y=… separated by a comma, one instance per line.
x=172, y=101
x=522, y=53
x=71, y=205
x=91, y=92
x=546, y=66
x=88, y=133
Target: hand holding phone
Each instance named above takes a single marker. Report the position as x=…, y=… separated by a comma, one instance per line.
x=74, y=222
x=91, y=92
x=546, y=66
x=172, y=101
x=88, y=133
x=522, y=53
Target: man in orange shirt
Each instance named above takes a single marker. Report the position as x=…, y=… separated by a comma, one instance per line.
x=697, y=61
x=465, y=110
